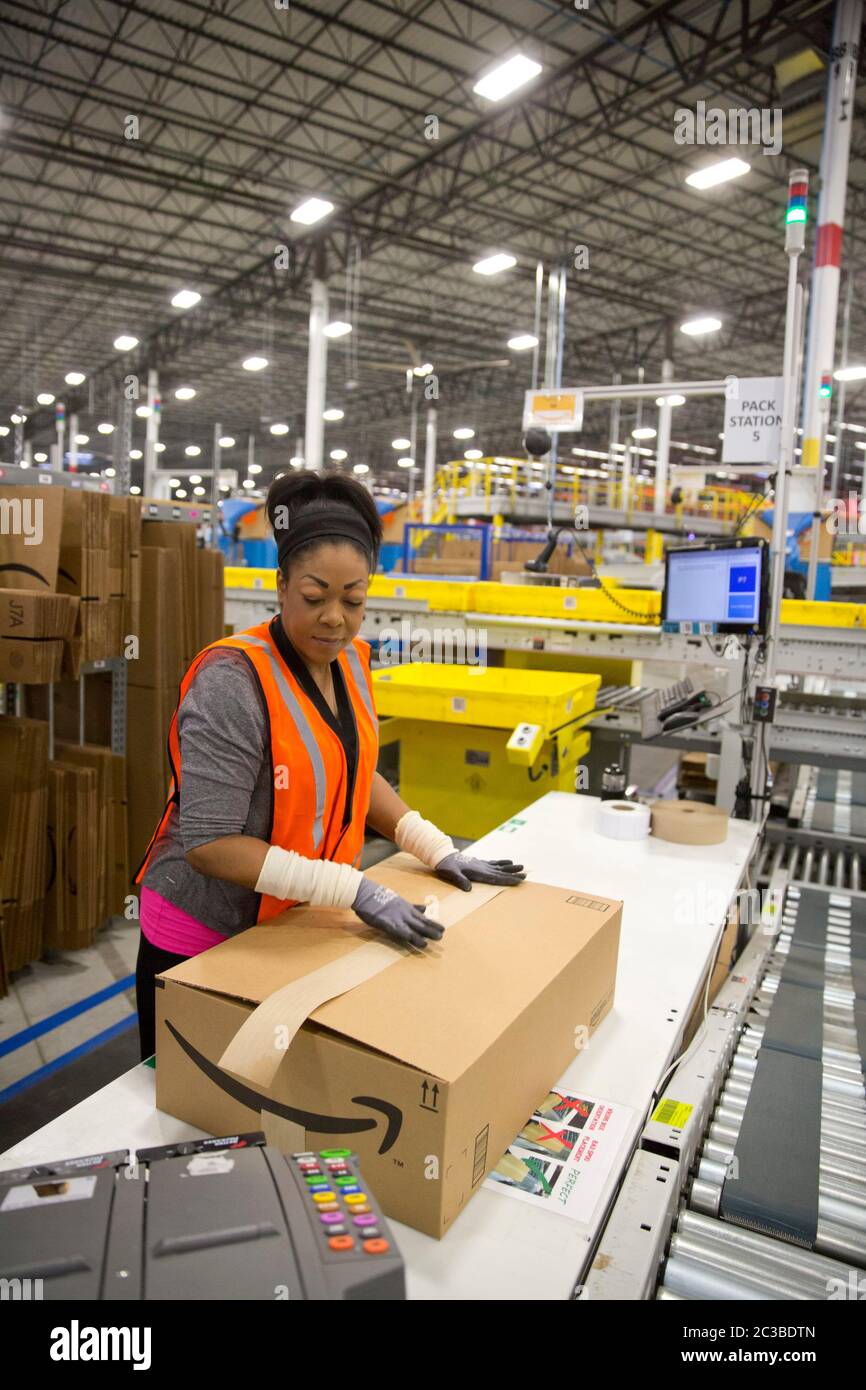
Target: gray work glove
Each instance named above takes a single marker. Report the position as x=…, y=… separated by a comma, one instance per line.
x=462, y=870
x=388, y=912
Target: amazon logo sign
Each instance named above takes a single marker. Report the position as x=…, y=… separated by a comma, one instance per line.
x=388, y=1115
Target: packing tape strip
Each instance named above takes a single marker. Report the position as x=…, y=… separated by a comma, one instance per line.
x=623, y=820
x=260, y=1044
x=689, y=823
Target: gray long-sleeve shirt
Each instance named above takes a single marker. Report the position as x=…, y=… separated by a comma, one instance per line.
x=223, y=731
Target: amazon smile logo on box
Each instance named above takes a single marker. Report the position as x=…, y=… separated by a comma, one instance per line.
x=318, y=1124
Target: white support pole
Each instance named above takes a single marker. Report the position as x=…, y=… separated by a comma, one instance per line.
x=838, y=452
x=317, y=376
x=73, y=445
x=60, y=420
x=215, y=487
x=151, y=436
x=613, y=453
x=663, y=440
x=794, y=243
x=413, y=441
x=835, y=149
x=429, y=463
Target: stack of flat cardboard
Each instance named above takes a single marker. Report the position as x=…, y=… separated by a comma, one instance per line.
x=124, y=570
x=152, y=691
x=179, y=538
x=109, y=822
x=210, y=593
x=33, y=629
x=83, y=570
x=82, y=544
x=71, y=915
x=31, y=520
x=182, y=604
x=23, y=850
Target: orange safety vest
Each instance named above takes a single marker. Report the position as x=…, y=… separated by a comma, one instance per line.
x=308, y=761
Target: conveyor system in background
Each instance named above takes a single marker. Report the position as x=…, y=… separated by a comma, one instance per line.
x=749, y=1181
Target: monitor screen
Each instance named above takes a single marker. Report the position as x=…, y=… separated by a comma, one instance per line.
x=715, y=586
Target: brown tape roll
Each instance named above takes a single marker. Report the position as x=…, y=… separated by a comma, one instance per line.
x=689, y=823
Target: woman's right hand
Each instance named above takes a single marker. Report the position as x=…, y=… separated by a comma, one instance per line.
x=403, y=921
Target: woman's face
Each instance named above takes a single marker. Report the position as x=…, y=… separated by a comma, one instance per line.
x=322, y=603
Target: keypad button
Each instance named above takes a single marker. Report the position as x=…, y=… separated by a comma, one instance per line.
x=376, y=1247
x=309, y=1155
x=359, y=1211
x=330, y=1218
x=326, y=1196
x=335, y=1231
x=335, y=1153
x=315, y=1180
x=347, y=1182
x=355, y=1199
x=343, y=1243
x=365, y=1220
x=328, y=1206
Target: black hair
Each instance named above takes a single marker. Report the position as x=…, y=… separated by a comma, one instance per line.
x=302, y=495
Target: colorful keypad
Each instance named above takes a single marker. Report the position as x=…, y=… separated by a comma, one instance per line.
x=328, y=1177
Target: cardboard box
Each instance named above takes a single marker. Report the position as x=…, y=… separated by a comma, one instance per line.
x=31, y=521
x=160, y=660
x=33, y=629
x=440, y=1057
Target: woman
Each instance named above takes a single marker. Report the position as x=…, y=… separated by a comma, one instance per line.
x=273, y=750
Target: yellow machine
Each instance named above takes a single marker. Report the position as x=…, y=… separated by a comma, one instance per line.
x=478, y=743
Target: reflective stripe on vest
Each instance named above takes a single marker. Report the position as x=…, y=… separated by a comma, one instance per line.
x=360, y=680
x=303, y=728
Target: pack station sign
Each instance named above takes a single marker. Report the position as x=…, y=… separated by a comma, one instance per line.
x=753, y=420
x=554, y=410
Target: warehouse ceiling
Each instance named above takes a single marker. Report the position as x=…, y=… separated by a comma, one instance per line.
x=146, y=147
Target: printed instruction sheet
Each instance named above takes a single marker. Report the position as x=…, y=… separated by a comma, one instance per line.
x=562, y=1157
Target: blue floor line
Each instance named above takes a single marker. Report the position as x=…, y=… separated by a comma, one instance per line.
x=56, y=1020
x=83, y=1048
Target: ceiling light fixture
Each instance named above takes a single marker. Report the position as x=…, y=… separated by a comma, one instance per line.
x=492, y=265
x=507, y=77
x=312, y=210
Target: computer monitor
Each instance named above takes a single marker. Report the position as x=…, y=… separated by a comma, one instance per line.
x=720, y=583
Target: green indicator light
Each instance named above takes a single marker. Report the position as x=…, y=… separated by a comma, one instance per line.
x=825, y=390
x=796, y=214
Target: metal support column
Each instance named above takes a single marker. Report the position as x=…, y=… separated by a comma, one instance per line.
x=317, y=375
x=429, y=463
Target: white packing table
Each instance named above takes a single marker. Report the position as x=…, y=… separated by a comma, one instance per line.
x=675, y=901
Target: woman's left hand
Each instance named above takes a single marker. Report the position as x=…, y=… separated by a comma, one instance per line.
x=462, y=870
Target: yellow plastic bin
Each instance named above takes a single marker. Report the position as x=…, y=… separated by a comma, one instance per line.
x=811, y=613
x=493, y=697
x=584, y=605
x=447, y=595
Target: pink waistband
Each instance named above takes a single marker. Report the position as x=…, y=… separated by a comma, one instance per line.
x=169, y=928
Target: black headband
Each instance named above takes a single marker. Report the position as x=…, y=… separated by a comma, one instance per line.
x=321, y=524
